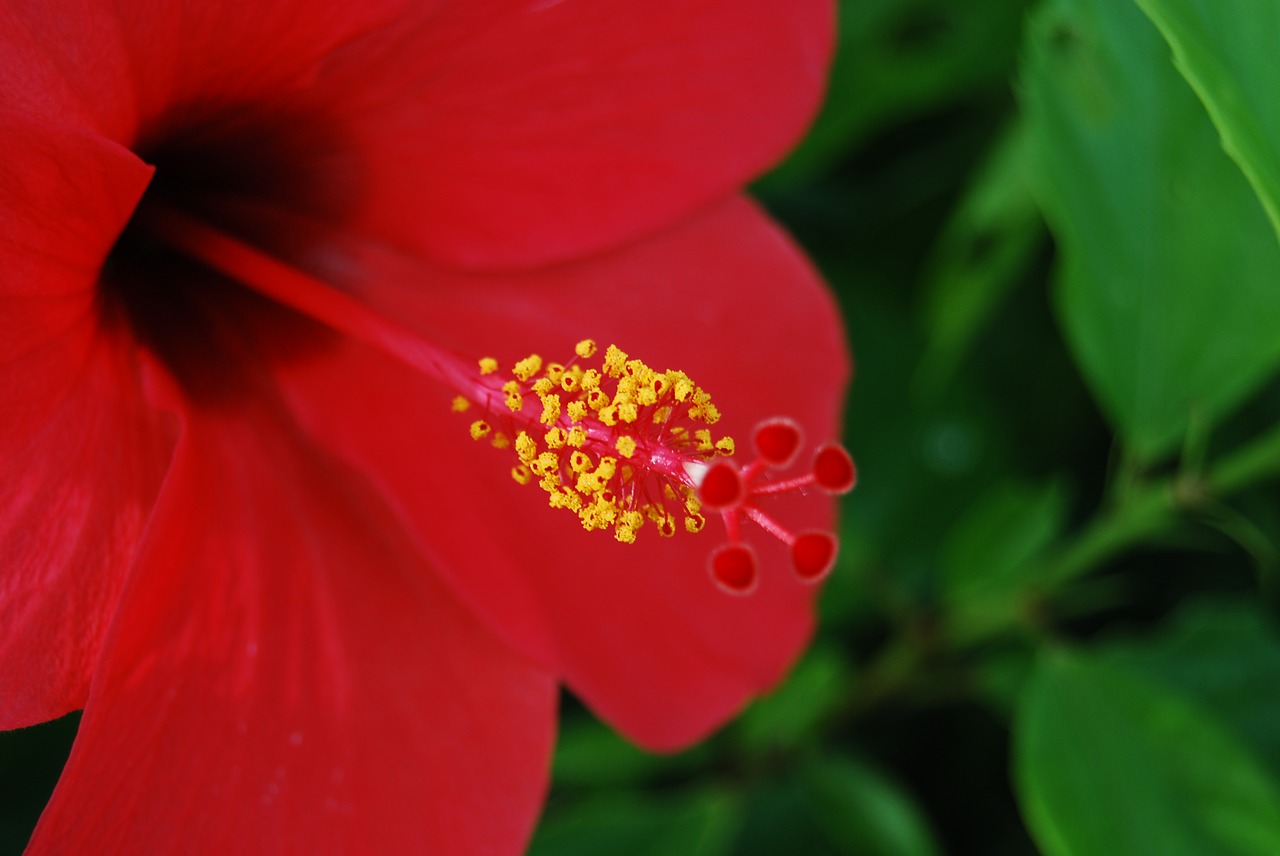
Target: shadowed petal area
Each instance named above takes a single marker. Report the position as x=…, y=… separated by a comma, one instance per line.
x=639, y=631
x=81, y=455
x=286, y=674
x=518, y=133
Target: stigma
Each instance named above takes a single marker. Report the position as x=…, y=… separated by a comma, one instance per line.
x=625, y=447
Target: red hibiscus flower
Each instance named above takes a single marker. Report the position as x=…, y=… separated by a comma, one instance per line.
x=252, y=253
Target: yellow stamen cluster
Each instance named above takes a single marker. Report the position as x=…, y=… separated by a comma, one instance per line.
x=612, y=444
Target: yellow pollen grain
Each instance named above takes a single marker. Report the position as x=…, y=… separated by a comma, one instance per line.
x=479, y=428
x=569, y=382
x=555, y=438
x=626, y=446
x=662, y=414
x=681, y=386
x=615, y=360
x=500, y=440
x=597, y=399
x=460, y=404
x=515, y=401
x=577, y=437
x=585, y=348
x=550, y=409
x=542, y=386
x=590, y=380
x=577, y=410
x=703, y=436
x=725, y=446
x=579, y=462
x=528, y=367
x=526, y=447
x=553, y=372
x=546, y=464
x=694, y=523
x=521, y=474
x=628, y=411
x=488, y=365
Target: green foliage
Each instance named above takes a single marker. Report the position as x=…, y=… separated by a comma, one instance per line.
x=1154, y=222
x=862, y=812
x=698, y=823
x=1227, y=50
x=1107, y=763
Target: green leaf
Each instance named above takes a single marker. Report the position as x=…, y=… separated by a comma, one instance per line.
x=991, y=558
x=1107, y=763
x=788, y=717
x=862, y=812
x=1227, y=50
x=993, y=548
x=1225, y=656
x=697, y=823
x=900, y=58
x=1163, y=244
x=986, y=246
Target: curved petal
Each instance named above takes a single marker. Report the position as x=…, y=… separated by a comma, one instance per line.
x=285, y=673
x=638, y=631
x=495, y=134
x=81, y=455
x=118, y=66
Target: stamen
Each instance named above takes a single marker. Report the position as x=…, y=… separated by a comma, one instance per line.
x=622, y=444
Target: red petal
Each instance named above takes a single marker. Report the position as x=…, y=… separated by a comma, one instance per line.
x=285, y=674
x=81, y=455
x=502, y=134
x=640, y=631
x=120, y=68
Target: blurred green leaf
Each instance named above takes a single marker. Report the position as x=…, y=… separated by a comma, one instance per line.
x=990, y=559
x=778, y=819
x=1225, y=656
x=862, y=812
x=987, y=244
x=1164, y=246
x=696, y=823
x=1106, y=763
x=1227, y=50
x=788, y=717
x=992, y=549
x=899, y=58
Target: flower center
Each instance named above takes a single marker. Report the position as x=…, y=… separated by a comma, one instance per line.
x=240, y=169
